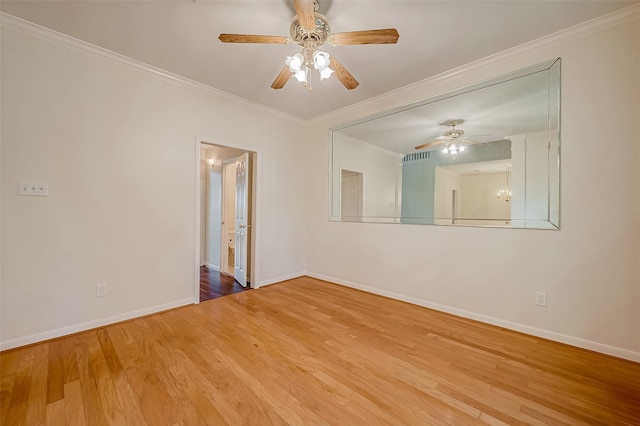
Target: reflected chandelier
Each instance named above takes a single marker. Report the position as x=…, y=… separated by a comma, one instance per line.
x=505, y=193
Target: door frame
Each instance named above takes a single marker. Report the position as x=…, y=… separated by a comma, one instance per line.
x=256, y=196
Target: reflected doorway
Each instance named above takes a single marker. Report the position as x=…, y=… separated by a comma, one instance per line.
x=352, y=195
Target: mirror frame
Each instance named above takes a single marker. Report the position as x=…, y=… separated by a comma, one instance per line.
x=548, y=220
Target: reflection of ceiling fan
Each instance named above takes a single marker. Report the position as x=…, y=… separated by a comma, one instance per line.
x=453, y=139
x=310, y=30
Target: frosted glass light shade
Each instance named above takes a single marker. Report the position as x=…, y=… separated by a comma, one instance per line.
x=295, y=62
x=301, y=75
x=325, y=73
x=320, y=60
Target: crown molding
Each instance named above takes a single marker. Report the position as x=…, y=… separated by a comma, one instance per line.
x=577, y=31
x=595, y=25
x=43, y=33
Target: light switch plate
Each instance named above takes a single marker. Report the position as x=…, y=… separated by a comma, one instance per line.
x=31, y=188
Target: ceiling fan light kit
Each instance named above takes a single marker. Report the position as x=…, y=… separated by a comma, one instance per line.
x=453, y=138
x=453, y=149
x=310, y=30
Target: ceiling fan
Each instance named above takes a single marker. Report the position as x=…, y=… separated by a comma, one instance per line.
x=454, y=140
x=310, y=30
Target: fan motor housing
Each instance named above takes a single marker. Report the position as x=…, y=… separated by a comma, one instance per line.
x=318, y=35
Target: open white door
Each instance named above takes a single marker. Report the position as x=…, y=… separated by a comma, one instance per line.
x=242, y=221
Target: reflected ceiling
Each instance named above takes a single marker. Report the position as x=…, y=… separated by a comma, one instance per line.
x=490, y=113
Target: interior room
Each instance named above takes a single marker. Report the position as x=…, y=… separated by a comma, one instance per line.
x=509, y=295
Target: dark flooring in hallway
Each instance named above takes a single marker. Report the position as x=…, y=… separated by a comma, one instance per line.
x=213, y=284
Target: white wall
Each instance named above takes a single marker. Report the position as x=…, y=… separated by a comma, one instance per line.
x=532, y=169
x=518, y=179
x=381, y=176
x=479, y=197
x=117, y=145
x=590, y=267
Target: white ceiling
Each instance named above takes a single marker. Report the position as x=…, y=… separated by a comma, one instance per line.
x=181, y=37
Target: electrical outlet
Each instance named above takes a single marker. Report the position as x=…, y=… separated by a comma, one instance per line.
x=541, y=298
x=101, y=290
x=33, y=189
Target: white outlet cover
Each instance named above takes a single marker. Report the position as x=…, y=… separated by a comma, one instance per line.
x=101, y=290
x=541, y=298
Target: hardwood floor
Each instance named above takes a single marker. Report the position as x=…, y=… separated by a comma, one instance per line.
x=213, y=284
x=307, y=352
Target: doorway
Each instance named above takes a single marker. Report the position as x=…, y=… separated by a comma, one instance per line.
x=225, y=220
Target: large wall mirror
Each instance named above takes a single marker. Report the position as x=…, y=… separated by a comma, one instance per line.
x=485, y=155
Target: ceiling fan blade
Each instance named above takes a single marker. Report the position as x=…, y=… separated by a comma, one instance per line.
x=253, y=38
x=384, y=36
x=306, y=15
x=429, y=144
x=342, y=74
x=282, y=78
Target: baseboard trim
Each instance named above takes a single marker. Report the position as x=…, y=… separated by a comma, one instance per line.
x=538, y=332
x=212, y=266
x=280, y=279
x=534, y=331
x=77, y=328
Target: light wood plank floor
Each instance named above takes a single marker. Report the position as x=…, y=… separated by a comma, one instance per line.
x=307, y=352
